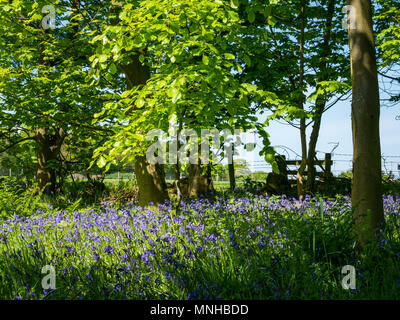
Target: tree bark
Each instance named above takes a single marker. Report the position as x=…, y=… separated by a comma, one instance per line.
x=49, y=146
x=151, y=182
x=200, y=180
x=150, y=178
x=321, y=102
x=177, y=168
x=367, y=167
x=177, y=172
x=311, y=172
x=300, y=172
x=231, y=170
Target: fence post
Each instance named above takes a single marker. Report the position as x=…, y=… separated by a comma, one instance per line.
x=328, y=165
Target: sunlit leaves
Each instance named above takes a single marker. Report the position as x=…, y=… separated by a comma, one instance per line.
x=327, y=88
x=205, y=60
x=235, y=4
x=388, y=21
x=46, y=84
x=189, y=53
x=113, y=68
x=101, y=162
x=229, y=56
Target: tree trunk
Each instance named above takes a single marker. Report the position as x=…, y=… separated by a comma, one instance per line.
x=177, y=168
x=151, y=182
x=200, y=180
x=310, y=185
x=177, y=172
x=300, y=172
x=150, y=178
x=231, y=170
x=232, y=181
x=321, y=102
x=367, y=183
x=49, y=146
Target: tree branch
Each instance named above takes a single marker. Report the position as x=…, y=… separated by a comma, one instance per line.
x=15, y=143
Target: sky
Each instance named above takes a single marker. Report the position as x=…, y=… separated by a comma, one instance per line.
x=335, y=128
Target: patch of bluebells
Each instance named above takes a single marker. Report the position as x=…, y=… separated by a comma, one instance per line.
x=138, y=247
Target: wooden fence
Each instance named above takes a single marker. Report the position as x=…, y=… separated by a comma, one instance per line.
x=324, y=165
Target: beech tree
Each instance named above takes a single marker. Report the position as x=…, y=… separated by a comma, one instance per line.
x=300, y=46
x=185, y=50
x=366, y=184
x=44, y=97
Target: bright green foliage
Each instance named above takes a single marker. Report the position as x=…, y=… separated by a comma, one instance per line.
x=388, y=20
x=17, y=200
x=43, y=72
x=188, y=47
x=274, y=48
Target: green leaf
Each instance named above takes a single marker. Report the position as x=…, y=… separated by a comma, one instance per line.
x=229, y=56
x=125, y=94
x=101, y=162
x=251, y=16
x=176, y=96
x=247, y=60
x=205, y=60
x=140, y=102
x=275, y=167
x=232, y=109
x=102, y=58
x=113, y=68
x=272, y=20
x=235, y=4
x=220, y=88
x=269, y=157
